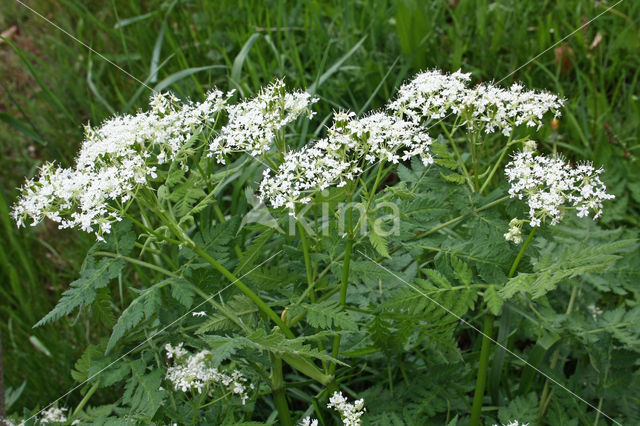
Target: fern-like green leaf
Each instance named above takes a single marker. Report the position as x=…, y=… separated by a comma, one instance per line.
x=327, y=315
x=142, y=392
x=493, y=300
x=84, y=290
x=142, y=307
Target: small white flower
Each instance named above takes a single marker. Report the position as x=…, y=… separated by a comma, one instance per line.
x=551, y=186
x=432, y=95
x=594, y=311
x=253, y=125
x=515, y=231
x=351, y=143
x=53, y=415
x=199, y=314
x=350, y=413
x=194, y=373
x=115, y=159
x=307, y=421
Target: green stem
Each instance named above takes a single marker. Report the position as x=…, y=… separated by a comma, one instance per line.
x=487, y=332
x=138, y=262
x=494, y=169
x=474, y=155
x=459, y=218
x=457, y=152
x=86, y=398
x=481, y=380
x=246, y=290
x=344, y=284
x=516, y=262
x=279, y=393
x=307, y=260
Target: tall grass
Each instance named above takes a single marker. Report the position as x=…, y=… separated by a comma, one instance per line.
x=351, y=54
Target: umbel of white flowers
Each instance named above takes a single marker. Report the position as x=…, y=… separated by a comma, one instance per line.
x=350, y=413
x=194, y=373
x=551, y=186
x=353, y=143
x=124, y=153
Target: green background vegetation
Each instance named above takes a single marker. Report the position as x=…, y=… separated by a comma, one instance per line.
x=352, y=54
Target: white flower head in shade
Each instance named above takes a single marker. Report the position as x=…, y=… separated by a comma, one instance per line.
x=53, y=415
x=194, y=373
x=349, y=412
x=307, y=421
x=515, y=231
x=350, y=145
x=253, y=125
x=115, y=160
x=551, y=186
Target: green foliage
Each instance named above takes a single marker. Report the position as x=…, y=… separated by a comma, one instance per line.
x=95, y=274
x=410, y=359
x=561, y=262
x=142, y=392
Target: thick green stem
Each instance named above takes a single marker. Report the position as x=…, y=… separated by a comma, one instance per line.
x=307, y=261
x=516, y=262
x=344, y=284
x=86, y=398
x=246, y=290
x=481, y=380
x=487, y=332
x=279, y=393
x=494, y=169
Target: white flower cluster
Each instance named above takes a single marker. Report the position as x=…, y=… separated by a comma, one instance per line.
x=253, y=125
x=53, y=415
x=193, y=373
x=432, y=95
x=307, y=421
x=350, y=413
x=514, y=423
x=549, y=183
x=114, y=160
x=122, y=155
x=515, y=231
x=350, y=144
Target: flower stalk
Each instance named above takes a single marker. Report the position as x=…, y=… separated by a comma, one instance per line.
x=487, y=337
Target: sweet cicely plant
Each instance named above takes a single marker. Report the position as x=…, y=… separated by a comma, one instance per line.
x=254, y=279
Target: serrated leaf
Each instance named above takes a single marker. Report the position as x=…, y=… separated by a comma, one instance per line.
x=84, y=290
x=243, y=309
x=493, y=300
x=143, y=307
x=379, y=243
x=438, y=278
x=462, y=270
x=182, y=292
x=454, y=178
x=142, y=391
x=328, y=315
